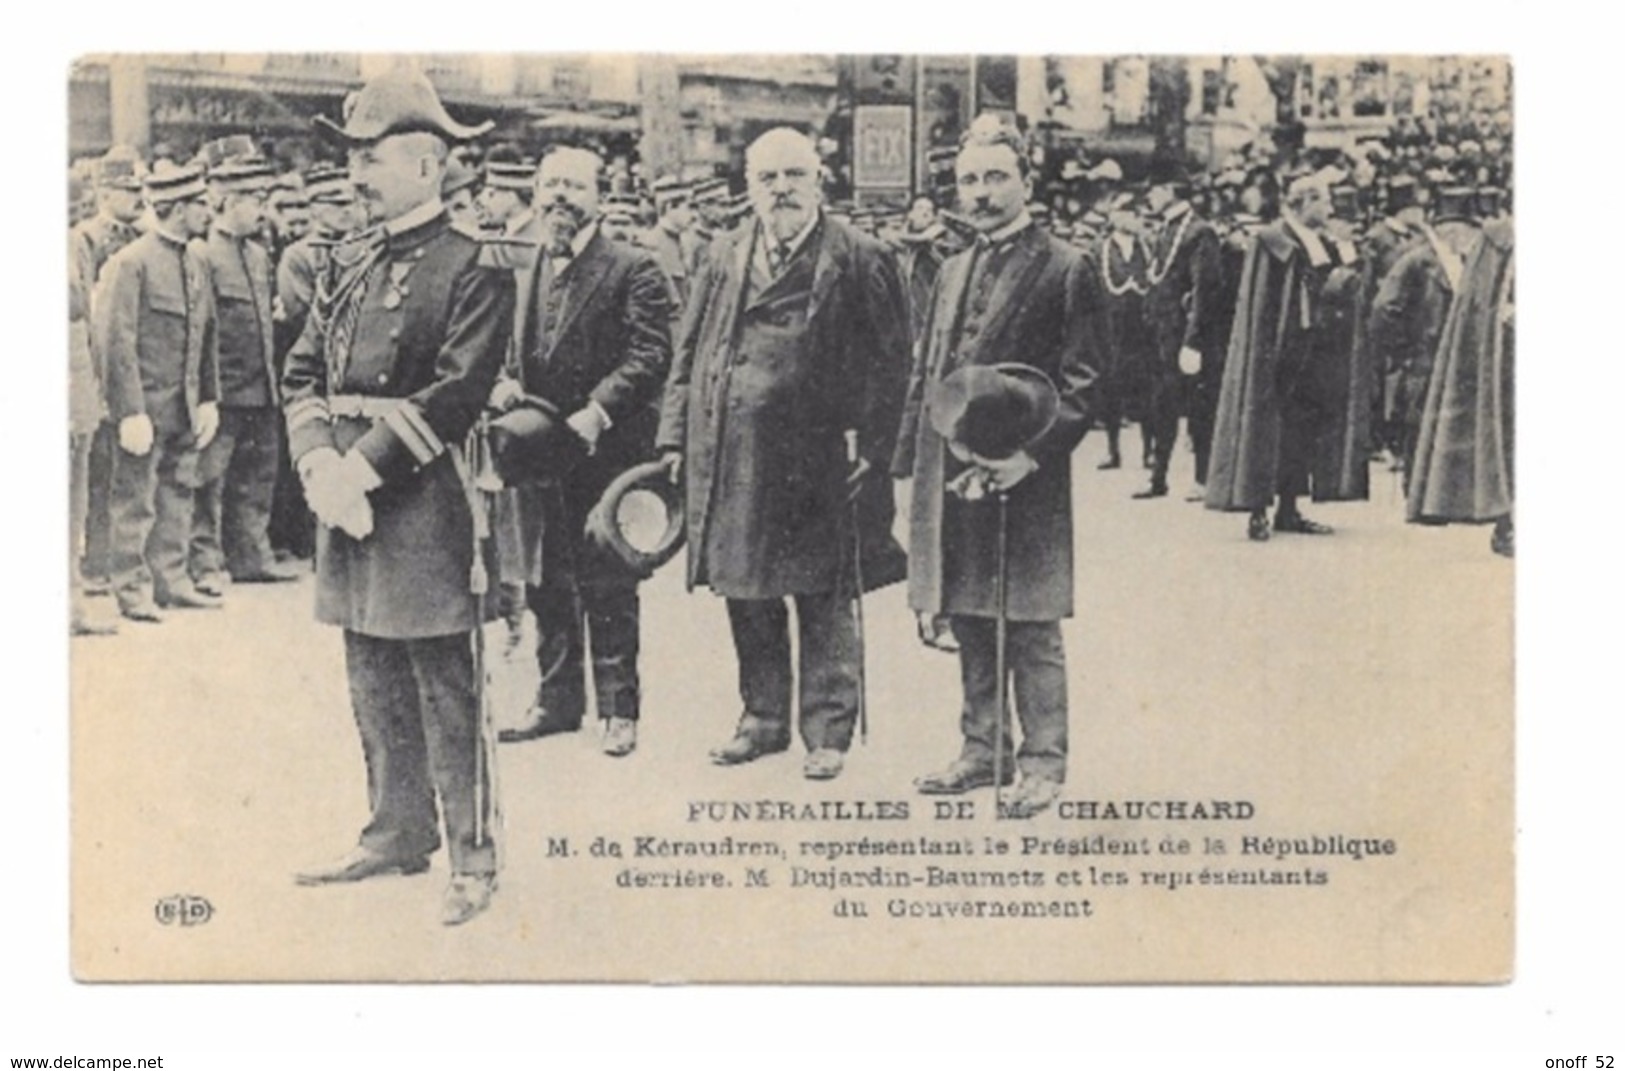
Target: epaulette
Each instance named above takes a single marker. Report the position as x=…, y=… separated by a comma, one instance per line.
x=507, y=252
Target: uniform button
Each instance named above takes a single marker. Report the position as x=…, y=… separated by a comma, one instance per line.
x=394, y=332
x=383, y=377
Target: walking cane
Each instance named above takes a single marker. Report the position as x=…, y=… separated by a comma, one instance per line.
x=852, y=461
x=1000, y=639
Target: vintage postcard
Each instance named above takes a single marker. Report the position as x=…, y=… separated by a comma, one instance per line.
x=792, y=518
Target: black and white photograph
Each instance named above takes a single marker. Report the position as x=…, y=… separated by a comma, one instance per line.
x=848, y=518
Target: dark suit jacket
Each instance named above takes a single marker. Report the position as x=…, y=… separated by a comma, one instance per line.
x=611, y=345
x=1047, y=309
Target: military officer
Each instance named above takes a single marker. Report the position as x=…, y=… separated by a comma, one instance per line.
x=237, y=473
x=155, y=320
x=396, y=361
x=93, y=242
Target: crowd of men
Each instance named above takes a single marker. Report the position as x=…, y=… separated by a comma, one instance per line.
x=268, y=367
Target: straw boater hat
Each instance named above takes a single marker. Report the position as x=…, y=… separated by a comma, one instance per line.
x=399, y=102
x=174, y=182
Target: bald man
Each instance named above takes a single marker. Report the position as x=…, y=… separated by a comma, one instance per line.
x=779, y=418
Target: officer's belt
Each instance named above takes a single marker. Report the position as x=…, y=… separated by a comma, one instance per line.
x=366, y=407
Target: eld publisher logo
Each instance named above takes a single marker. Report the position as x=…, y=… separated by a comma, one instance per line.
x=183, y=911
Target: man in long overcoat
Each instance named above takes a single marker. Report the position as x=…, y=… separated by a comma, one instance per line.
x=397, y=359
x=1017, y=295
x=1286, y=416
x=793, y=349
x=1463, y=470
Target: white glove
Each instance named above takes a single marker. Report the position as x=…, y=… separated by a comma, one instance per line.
x=316, y=471
x=207, y=423
x=135, y=434
x=1190, y=360
x=356, y=522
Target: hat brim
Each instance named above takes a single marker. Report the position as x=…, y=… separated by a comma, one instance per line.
x=602, y=523
x=450, y=130
x=1046, y=409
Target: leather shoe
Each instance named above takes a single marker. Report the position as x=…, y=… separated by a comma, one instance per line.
x=1258, y=528
x=1113, y=462
x=960, y=777
x=142, y=609
x=359, y=865
x=467, y=895
x=1198, y=493
x=270, y=574
x=1156, y=490
x=620, y=737
x=746, y=748
x=1297, y=522
x=823, y=764
x=540, y=724
x=188, y=598
x=213, y=586
x=1034, y=794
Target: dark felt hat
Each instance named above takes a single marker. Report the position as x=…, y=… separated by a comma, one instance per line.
x=993, y=411
x=639, y=519
x=401, y=101
x=531, y=443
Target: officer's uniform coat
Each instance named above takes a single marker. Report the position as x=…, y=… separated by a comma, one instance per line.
x=431, y=330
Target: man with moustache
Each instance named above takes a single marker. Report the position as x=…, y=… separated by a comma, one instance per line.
x=1017, y=295
x=779, y=419
x=401, y=350
x=592, y=336
x=92, y=243
x=155, y=319
x=237, y=473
